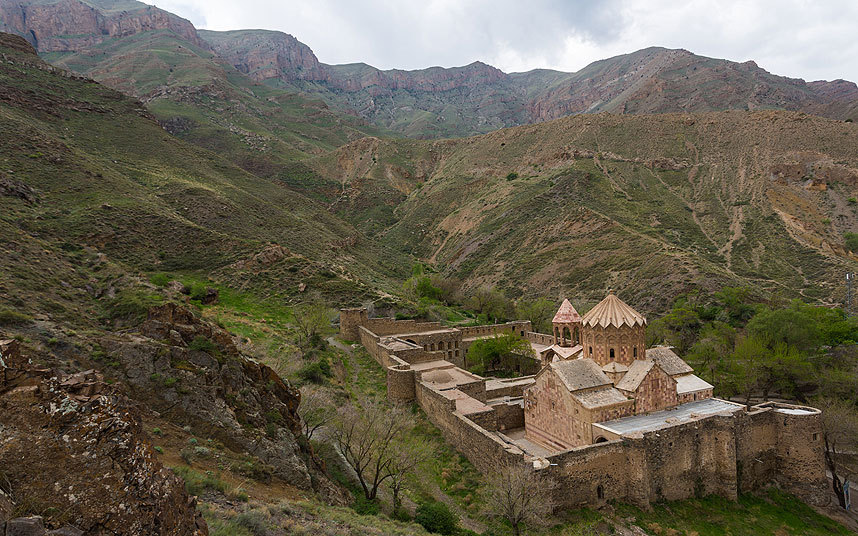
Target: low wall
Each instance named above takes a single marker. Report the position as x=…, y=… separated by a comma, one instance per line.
x=391, y=326
x=539, y=338
x=510, y=415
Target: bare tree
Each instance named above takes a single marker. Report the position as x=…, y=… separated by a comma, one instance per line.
x=316, y=410
x=368, y=437
x=311, y=319
x=519, y=495
x=410, y=452
x=839, y=431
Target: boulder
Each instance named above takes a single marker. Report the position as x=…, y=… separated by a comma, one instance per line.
x=25, y=526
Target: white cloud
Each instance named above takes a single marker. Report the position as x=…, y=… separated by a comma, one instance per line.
x=799, y=38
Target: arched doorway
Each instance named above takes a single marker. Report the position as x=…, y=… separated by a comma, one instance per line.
x=601, y=439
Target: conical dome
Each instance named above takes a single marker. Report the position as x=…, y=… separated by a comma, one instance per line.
x=566, y=314
x=613, y=311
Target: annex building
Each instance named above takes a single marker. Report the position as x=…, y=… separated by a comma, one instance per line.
x=606, y=416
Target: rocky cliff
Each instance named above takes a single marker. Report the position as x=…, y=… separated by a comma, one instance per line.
x=73, y=25
x=73, y=449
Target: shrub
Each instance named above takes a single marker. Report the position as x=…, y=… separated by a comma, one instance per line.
x=201, y=343
x=851, y=241
x=316, y=372
x=160, y=279
x=159, y=450
x=196, y=482
x=198, y=291
x=512, y=176
x=852, y=200
x=133, y=306
x=13, y=318
x=157, y=431
x=436, y=517
x=401, y=514
x=364, y=506
x=254, y=521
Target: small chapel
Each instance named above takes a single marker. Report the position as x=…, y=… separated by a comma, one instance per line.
x=599, y=369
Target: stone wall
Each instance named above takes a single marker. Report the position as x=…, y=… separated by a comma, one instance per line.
x=510, y=415
x=521, y=327
x=799, y=454
x=350, y=322
x=486, y=451
x=593, y=474
x=702, y=394
x=539, y=338
x=400, y=383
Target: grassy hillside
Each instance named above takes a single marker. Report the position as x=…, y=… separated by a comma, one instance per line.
x=205, y=101
x=88, y=176
x=655, y=205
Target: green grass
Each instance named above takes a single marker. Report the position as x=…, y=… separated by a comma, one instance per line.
x=772, y=512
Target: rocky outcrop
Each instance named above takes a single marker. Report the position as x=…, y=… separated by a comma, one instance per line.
x=72, y=25
x=73, y=450
x=192, y=372
x=264, y=55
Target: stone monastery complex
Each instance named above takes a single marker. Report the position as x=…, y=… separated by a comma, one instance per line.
x=609, y=418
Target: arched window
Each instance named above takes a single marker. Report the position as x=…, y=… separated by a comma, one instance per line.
x=591, y=350
x=612, y=353
x=635, y=352
x=600, y=492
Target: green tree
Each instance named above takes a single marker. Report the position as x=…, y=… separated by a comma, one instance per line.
x=540, y=312
x=503, y=351
x=436, y=517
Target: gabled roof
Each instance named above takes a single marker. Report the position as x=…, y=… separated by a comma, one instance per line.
x=636, y=374
x=566, y=314
x=613, y=311
x=565, y=352
x=615, y=366
x=691, y=384
x=580, y=374
x=669, y=362
x=600, y=398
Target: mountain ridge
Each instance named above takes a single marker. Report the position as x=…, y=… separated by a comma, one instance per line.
x=435, y=102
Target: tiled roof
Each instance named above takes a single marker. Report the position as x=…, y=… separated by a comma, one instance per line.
x=669, y=362
x=690, y=384
x=614, y=366
x=580, y=374
x=636, y=374
x=600, y=398
x=566, y=314
x=613, y=311
x=565, y=352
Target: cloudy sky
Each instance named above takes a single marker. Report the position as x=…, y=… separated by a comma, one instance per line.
x=811, y=39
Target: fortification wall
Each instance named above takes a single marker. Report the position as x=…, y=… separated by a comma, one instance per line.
x=539, y=338
x=486, y=451
x=691, y=460
x=800, y=465
x=400, y=382
x=518, y=326
x=391, y=326
x=370, y=340
x=591, y=475
x=350, y=322
x=756, y=446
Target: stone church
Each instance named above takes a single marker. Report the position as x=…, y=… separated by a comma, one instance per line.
x=598, y=370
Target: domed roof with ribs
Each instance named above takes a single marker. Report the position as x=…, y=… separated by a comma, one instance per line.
x=566, y=314
x=613, y=311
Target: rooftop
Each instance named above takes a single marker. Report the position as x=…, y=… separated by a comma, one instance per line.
x=601, y=398
x=636, y=374
x=671, y=417
x=580, y=374
x=566, y=314
x=690, y=384
x=667, y=359
x=613, y=311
